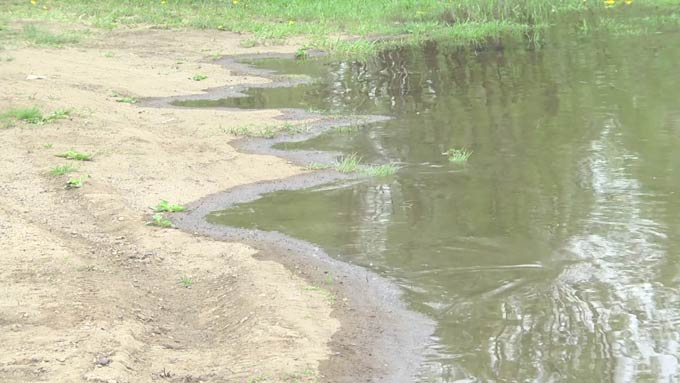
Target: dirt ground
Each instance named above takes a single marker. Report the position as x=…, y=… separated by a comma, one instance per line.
x=89, y=291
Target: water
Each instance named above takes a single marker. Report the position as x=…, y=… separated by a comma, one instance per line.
x=553, y=255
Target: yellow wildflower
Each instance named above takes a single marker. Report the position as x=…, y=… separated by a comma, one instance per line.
x=33, y=2
x=609, y=3
x=291, y=22
x=235, y=2
x=628, y=2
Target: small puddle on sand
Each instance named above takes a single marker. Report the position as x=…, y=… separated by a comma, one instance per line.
x=553, y=254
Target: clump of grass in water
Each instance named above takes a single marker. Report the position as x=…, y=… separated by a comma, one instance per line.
x=347, y=129
x=348, y=164
x=160, y=221
x=252, y=131
x=301, y=53
x=385, y=170
x=166, y=206
x=458, y=155
x=62, y=169
x=75, y=155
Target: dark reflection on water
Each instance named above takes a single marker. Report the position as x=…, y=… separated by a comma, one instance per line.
x=554, y=254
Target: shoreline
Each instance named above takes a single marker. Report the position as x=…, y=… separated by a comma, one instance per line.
x=357, y=353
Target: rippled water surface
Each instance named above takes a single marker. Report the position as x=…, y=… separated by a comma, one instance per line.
x=554, y=253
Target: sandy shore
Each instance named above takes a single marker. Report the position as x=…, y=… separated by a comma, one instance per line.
x=92, y=293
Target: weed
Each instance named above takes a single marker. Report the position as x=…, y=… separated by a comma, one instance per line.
x=458, y=155
x=199, y=77
x=385, y=170
x=348, y=164
x=301, y=53
x=248, y=43
x=166, y=206
x=109, y=54
x=48, y=146
x=39, y=36
x=62, y=169
x=75, y=182
x=31, y=115
x=347, y=129
x=75, y=155
x=294, y=129
x=317, y=166
x=252, y=131
x=215, y=57
x=127, y=100
x=186, y=281
x=160, y=221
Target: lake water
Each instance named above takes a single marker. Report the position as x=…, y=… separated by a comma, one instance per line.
x=553, y=254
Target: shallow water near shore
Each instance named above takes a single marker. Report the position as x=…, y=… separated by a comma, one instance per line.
x=553, y=253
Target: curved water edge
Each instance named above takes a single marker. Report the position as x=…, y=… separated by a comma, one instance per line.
x=380, y=339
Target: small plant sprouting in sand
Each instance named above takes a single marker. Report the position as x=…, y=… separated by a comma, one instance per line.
x=199, y=77
x=348, y=164
x=458, y=155
x=248, y=43
x=33, y=115
x=317, y=166
x=60, y=170
x=48, y=146
x=75, y=182
x=385, y=170
x=252, y=131
x=165, y=206
x=160, y=221
x=186, y=281
x=75, y=155
x=127, y=100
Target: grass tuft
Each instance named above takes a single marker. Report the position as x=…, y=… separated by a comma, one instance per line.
x=165, y=206
x=39, y=36
x=75, y=182
x=160, y=221
x=385, y=170
x=186, y=281
x=458, y=155
x=127, y=100
x=75, y=155
x=348, y=164
x=317, y=166
x=199, y=77
x=60, y=170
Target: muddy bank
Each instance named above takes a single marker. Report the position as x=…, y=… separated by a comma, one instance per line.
x=379, y=339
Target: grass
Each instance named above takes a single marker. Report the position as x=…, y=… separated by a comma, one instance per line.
x=165, y=206
x=75, y=155
x=32, y=115
x=385, y=170
x=186, y=281
x=265, y=131
x=199, y=77
x=75, y=182
x=127, y=100
x=160, y=221
x=458, y=155
x=317, y=166
x=60, y=170
x=462, y=21
x=348, y=164
x=39, y=36
x=348, y=129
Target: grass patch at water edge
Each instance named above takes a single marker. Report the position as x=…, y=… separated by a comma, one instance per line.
x=463, y=21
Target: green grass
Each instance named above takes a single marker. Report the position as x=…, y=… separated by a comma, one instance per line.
x=462, y=21
x=160, y=221
x=348, y=164
x=165, y=206
x=62, y=169
x=458, y=155
x=347, y=129
x=75, y=155
x=39, y=36
x=127, y=100
x=317, y=166
x=199, y=77
x=186, y=281
x=75, y=182
x=32, y=115
x=385, y=170
x=265, y=131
